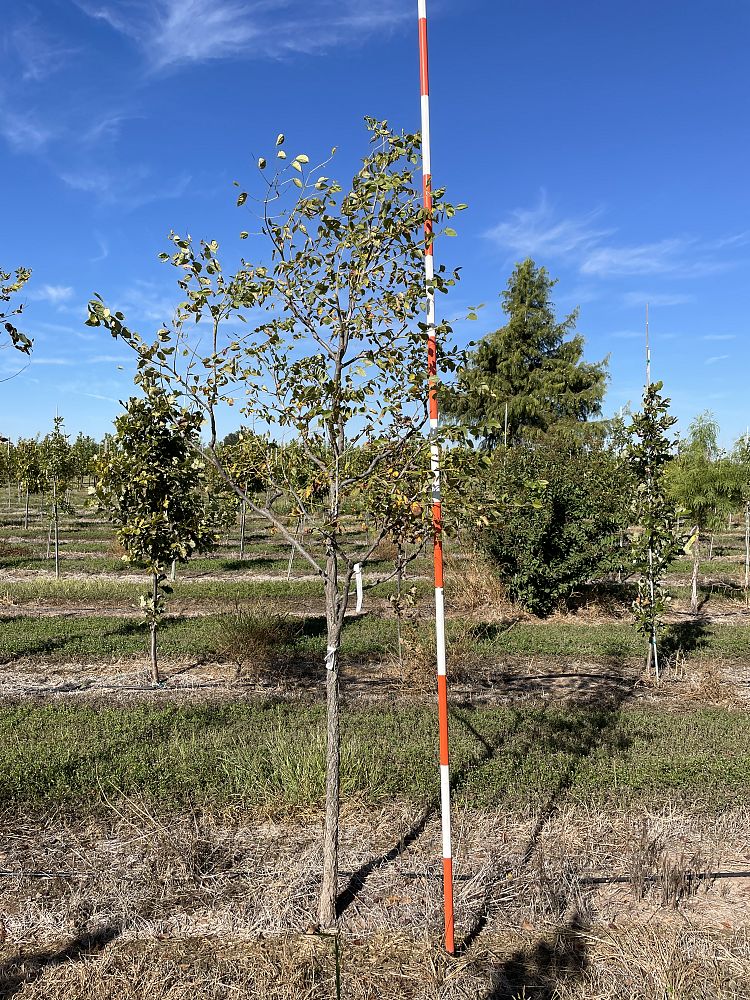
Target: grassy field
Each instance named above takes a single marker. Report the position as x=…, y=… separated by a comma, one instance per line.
x=166, y=841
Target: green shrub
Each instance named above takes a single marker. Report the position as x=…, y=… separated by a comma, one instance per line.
x=552, y=541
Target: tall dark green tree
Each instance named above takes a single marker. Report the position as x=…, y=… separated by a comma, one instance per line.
x=533, y=366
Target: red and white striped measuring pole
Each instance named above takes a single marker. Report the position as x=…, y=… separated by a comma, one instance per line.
x=437, y=514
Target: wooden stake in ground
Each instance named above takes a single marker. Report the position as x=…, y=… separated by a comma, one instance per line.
x=437, y=514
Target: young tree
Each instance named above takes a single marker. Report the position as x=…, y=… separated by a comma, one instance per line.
x=741, y=458
x=242, y=453
x=150, y=482
x=10, y=285
x=28, y=468
x=705, y=484
x=58, y=471
x=82, y=453
x=339, y=359
x=529, y=375
x=648, y=454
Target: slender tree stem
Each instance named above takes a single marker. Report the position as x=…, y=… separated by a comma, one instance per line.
x=694, y=590
x=152, y=625
x=329, y=885
x=55, y=521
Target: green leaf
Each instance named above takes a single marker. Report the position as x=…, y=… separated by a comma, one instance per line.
x=281, y=154
x=450, y=232
x=242, y=198
x=261, y=162
x=297, y=181
x=280, y=139
x=303, y=158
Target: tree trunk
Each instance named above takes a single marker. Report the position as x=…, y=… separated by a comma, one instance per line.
x=710, y=548
x=152, y=626
x=747, y=547
x=57, y=540
x=694, y=592
x=173, y=570
x=655, y=655
x=335, y=606
x=26, y=510
x=243, y=509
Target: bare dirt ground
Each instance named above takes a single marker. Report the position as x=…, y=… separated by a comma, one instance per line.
x=567, y=903
x=507, y=679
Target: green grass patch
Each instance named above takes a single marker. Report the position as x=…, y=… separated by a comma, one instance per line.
x=368, y=637
x=125, y=593
x=272, y=754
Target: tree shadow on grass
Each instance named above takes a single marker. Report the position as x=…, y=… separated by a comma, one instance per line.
x=580, y=737
x=358, y=878
x=546, y=964
x=26, y=968
x=685, y=637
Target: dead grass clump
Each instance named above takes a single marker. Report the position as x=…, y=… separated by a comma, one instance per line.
x=473, y=587
x=464, y=662
x=707, y=684
x=258, y=642
x=116, y=549
x=386, y=551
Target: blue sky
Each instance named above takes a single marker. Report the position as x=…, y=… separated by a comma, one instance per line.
x=606, y=140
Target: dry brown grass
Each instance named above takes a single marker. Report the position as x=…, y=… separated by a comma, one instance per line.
x=649, y=963
x=473, y=587
x=579, y=903
x=257, y=641
x=708, y=685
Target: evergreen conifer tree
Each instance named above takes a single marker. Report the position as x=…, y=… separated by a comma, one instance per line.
x=533, y=365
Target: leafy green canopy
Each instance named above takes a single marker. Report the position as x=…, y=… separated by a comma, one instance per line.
x=320, y=339
x=151, y=482
x=10, y=285
x=534, y=365
x=563, y=530
x=706, y=484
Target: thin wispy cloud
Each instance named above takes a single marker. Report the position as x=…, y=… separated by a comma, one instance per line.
x=129, y=190
x=541, y=232
x=54, y=294
x=536, y=232
x=24, y=132
x=107, y=128
x=171, y=33
x=56, y=362
x=105, y=359
x=626, y=334
x=103, y=250
x=717, y=358
x=720, y=336
x=38, y=53
x=656, y=298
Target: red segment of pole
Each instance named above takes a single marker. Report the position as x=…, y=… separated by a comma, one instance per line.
x=437, y=514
